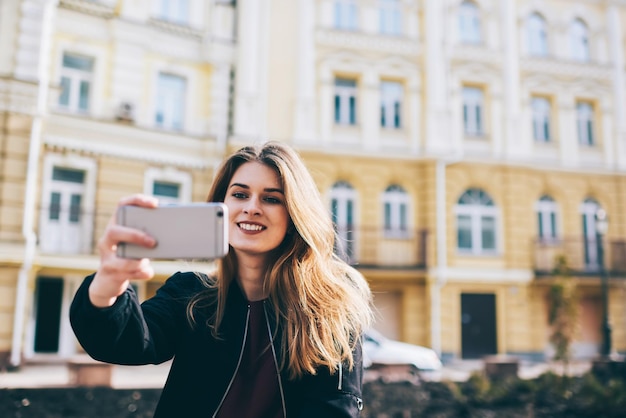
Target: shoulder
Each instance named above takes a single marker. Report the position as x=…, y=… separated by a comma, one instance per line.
x=185, y=284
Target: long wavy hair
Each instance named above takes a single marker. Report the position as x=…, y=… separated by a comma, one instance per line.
x=321, y=304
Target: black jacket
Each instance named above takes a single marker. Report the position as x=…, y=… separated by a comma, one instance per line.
x=158, y=330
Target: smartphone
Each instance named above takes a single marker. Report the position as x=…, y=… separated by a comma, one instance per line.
x=182, y=231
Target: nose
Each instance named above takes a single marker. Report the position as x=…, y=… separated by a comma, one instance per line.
x=252, y=207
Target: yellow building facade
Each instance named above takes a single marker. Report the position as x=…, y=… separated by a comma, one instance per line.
x=461, y=147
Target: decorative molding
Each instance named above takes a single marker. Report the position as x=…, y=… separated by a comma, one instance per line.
x=18, y=96
x=176, y=29
x=130, y=142
x=94, y=8
x=361, y=41
x=568, y=69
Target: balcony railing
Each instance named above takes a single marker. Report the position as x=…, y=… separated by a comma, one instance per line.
x=381, y=248
x=581, y=254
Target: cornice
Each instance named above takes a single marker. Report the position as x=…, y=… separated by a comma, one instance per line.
x=359, y=41
x=94, y=8
x=567, y=69
x=111, y=139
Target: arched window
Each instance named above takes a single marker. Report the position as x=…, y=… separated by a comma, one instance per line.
x=537, y=35
x=343, y=208
x=579, y=40
x=477, y=219
x=469, y=23
x=396, y=211
x=546, y=209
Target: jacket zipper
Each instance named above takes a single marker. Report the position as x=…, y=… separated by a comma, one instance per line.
x=232, y=379
x=280, y=381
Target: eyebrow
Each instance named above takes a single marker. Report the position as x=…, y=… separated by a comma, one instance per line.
x=267, y=189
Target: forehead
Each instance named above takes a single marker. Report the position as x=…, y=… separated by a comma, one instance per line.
x=257, y=174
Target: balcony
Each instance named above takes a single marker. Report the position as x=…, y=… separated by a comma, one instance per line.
x=581, y=254
x=381, y=248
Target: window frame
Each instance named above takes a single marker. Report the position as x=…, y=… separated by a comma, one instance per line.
x=391, y=104
x=481, y=208
x=473, y=101
x=165, y=100
x=174, y=11
x=541, y=108
x=345, y=102
x=537, y=35
x=168, y=175
x=585, y=123
x=77, y=78
x=396, y=209
x=390, y=17
x=547, y=211
x=579, y=40
x=346, y=15
x=469, y=23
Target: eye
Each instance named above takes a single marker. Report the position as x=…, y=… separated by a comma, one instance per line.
x=273, y=200
x=239, y=195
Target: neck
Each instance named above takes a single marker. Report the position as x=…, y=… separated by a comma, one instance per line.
x=251, y=277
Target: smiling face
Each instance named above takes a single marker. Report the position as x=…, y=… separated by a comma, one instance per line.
x=257, y=211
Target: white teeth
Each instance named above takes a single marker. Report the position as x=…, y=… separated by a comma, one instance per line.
x=250, y=227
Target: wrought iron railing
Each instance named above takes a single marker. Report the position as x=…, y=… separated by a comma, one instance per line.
x=382, y=248
x=582, y=255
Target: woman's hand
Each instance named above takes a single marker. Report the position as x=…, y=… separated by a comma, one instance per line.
x=114, y=274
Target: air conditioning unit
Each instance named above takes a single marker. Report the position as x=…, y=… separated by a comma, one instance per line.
x=125, y=112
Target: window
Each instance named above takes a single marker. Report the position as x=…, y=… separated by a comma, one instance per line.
x=579, y=40
x=170, y=106
x=168, y=185
x=390, y=17
x=176, y=11
x=76, y=81
x=584, y=119
x=345, y=101
x=476, y=223
x=547, y=218
x=346, y=14
x=588, y=210
x=391, y=104
x=473, y=105
x=343, y=206
x=537, y=35
x=395, y=209
x=541, y=109
x=469, y=23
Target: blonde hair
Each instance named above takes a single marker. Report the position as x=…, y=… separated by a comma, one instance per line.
x=320, y=302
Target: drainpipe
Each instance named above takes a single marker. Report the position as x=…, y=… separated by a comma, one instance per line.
x=32, y=174
x=441, y=276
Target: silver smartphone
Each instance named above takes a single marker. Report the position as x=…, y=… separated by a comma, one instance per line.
x=182, y=231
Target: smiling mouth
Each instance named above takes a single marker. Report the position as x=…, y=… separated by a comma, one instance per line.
x=250, y=227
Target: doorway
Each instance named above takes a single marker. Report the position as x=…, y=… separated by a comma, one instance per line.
x=478, y=325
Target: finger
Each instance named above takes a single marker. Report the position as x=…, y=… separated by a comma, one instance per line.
x=143, y=200
x=122, y=269
x=118, y=233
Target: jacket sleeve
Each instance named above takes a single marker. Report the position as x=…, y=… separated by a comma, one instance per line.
x=335, y=395
x=129, y=332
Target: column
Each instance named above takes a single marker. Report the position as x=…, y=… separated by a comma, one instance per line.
x=305, y=115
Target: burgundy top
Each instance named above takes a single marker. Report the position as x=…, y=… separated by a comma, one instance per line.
x=255, y=391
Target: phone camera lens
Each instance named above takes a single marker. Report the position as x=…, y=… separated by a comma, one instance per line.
x=220, y=214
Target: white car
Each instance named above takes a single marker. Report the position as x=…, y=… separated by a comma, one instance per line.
x=381, y=352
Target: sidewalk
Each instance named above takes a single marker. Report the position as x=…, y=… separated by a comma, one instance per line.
x=134, y=377
x=57, y=375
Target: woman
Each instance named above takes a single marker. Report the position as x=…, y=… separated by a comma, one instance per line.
x=273, y=332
